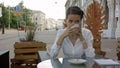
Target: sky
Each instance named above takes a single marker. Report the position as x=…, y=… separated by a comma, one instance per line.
x=52, y=8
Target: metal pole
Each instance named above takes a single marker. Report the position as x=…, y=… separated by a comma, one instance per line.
x=18, y=27
x=25, y=19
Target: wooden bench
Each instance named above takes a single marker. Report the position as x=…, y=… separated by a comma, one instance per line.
x=26, y=54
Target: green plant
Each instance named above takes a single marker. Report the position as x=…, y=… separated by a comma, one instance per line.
x=30, y=34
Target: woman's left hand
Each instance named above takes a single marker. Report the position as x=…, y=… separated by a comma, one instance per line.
x=82, y=39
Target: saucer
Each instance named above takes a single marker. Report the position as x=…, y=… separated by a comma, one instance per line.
x=77, y=61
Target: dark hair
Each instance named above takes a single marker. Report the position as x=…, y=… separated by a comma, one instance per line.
x=74, y=10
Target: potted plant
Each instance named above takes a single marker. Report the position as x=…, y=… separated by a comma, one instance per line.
x=30, y=33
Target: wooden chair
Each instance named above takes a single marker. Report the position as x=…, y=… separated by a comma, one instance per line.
x=26, y=54
x=96, y=21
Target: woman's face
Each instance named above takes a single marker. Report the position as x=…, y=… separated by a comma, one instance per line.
x=73, y=19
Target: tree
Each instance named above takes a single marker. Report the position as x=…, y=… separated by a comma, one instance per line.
x=4, y=19
x=23, y=19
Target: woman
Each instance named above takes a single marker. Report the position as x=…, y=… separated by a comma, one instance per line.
x=74, y=40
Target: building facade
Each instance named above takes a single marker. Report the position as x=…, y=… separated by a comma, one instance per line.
x=113, y=9
x=43, y=23
x=50, y=23
x=59, y=24
x=38, y=18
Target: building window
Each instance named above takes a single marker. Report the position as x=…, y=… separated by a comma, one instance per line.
x=36, y=23
x=36, y=18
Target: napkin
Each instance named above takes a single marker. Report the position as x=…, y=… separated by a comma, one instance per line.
x=106, y=62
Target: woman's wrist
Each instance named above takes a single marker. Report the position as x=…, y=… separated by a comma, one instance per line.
x=81, y=38
x=60, y=40
x=83, y=42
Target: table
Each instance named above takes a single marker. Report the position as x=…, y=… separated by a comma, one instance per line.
x=63, y=63
x=43, y=55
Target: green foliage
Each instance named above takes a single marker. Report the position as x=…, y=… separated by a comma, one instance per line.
x=4, y=18
x=16, y=21
x=30, y=33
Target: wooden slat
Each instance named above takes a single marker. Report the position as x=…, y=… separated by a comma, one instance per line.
x=26, y=57
x=34, y=50
x=29, y=44
x=24, y=61
x=21, y=51
x=20, y=66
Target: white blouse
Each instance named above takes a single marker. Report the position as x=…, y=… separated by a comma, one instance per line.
x=77, y=50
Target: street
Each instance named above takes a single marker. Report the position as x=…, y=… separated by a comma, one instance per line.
x=7, y=41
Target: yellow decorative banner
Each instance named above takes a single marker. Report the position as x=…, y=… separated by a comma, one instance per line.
x=17, y=13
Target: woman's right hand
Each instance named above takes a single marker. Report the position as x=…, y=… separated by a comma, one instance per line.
x=65, y=34
x=68, y=30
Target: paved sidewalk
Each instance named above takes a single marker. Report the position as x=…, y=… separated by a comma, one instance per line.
x=8, y=31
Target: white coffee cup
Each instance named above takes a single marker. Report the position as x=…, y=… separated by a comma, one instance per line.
x=75, y=25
